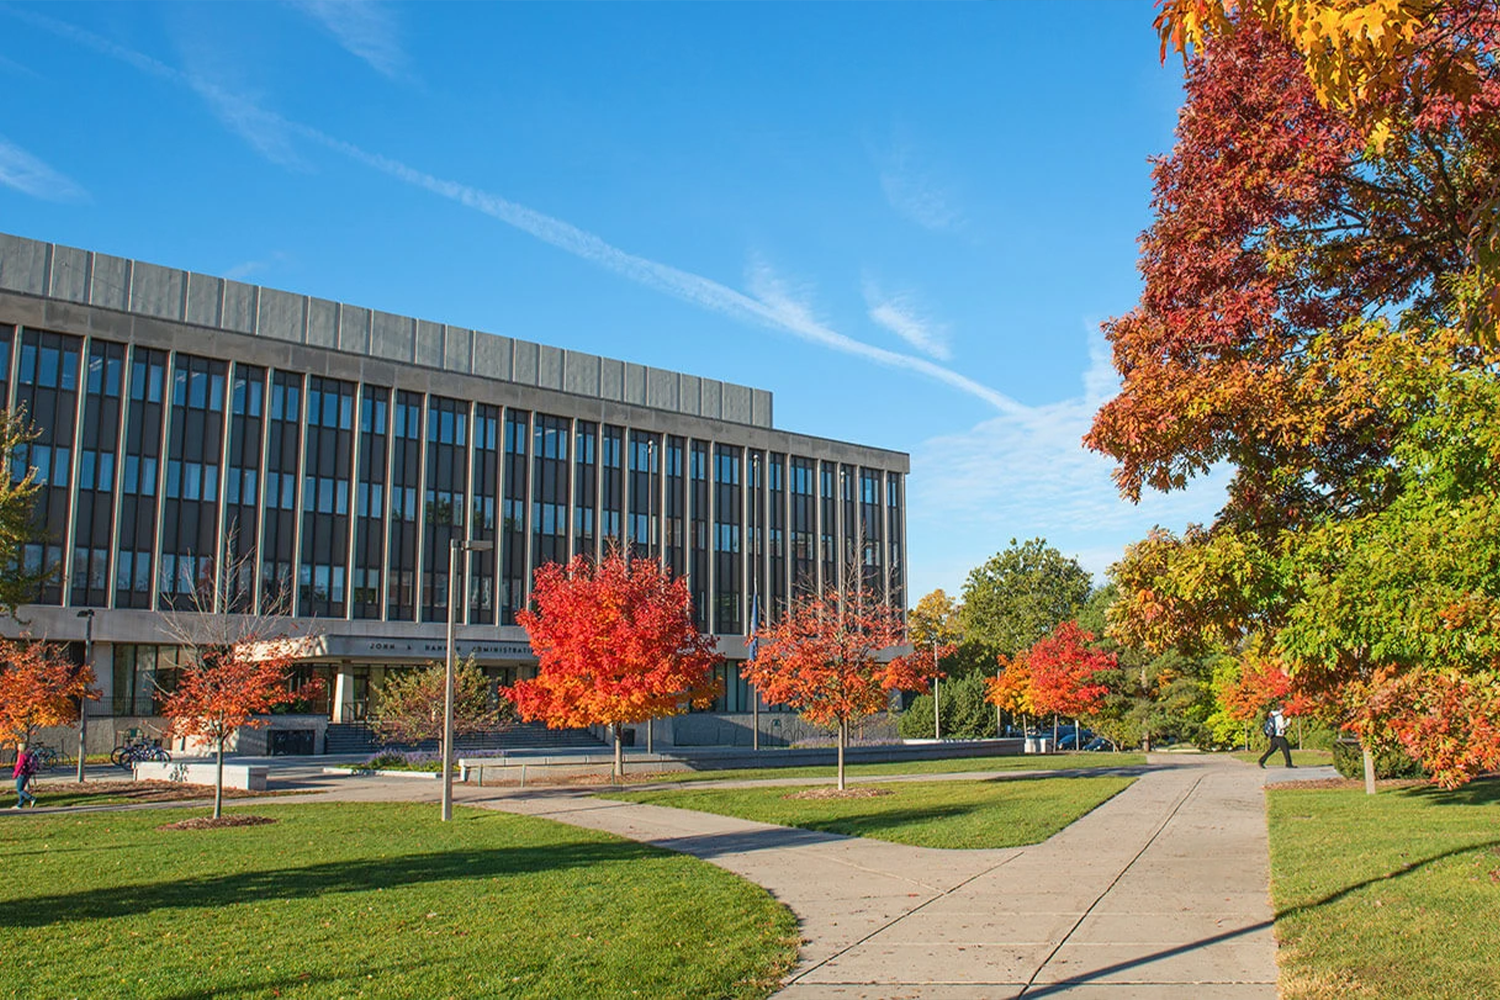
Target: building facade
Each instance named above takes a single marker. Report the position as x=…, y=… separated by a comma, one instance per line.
x=212, y=446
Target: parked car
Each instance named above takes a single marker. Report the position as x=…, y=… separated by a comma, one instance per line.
x=1068, y=738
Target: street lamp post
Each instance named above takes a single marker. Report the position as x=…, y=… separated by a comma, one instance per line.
x=83, y=703
x=937, y=715
x=454, y=592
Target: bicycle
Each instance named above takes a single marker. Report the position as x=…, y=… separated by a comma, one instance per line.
x=46, y=757
x=130, y=754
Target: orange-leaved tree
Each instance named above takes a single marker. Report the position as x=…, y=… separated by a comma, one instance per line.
x=615, y=644
x=40, y=686
x=222, y=688
x=1062, y=668
x=1010, y=688
x=822, y=659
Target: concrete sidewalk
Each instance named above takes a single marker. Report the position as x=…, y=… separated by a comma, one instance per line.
x=1159, y=894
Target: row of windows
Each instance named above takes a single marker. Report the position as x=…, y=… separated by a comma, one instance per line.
x=563, y=487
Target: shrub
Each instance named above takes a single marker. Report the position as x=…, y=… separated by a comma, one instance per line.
x=1349, y=762
x=966, y=714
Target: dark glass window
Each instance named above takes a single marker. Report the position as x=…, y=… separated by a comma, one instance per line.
x=406, y=479
x=242, y=483
x=47, y=388
x=7, y=335
x=139, y=470
x=776, y=535
x=849, y=561
x=513, y=518
x=643, y=536
x=279, y=530
x=327, y=469
x=447, y=499
x=871, y=543
x=93, y=521
x=611, y=490
x=144, y=677
x=484, y=494
x=187, y=578
x=674, y=515
x=894, y=534
x=698, y=497
x=585, y=488
x=728, y=522
x=370, y=501
x=803, y=527
x=549, y=491
x=828, y=524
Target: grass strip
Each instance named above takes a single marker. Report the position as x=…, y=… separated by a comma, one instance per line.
x=951, y=814
x=1302, y=758
x=1387, y=897
x=372, y=901
x=946, y=765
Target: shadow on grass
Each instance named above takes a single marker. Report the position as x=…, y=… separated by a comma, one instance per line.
x=352, y=875
x=1482, y=792
x=1404, y=870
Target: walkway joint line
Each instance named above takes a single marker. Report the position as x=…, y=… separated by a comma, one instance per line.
x=1112, y=883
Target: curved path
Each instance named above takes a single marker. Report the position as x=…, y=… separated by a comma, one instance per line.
x=1159, y=894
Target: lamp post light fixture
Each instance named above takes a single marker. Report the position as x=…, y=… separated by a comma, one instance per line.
x=83, y=703
x=455, y=590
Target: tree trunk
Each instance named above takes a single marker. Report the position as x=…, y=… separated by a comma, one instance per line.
x=1054, y=732
x=1369, y=760
x=937, y=712
x=619, y=770
x=843, y=739
x=219, y=779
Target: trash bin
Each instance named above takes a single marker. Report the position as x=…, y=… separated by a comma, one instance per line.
x=1038, y=744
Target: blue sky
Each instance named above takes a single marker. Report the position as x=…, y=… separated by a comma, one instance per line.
x=906, y=221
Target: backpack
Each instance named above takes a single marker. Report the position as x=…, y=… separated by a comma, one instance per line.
x=31, y=765
x=1269, y=727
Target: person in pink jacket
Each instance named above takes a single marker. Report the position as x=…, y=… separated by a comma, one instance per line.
x=25, y=767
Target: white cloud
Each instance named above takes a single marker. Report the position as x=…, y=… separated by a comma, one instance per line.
x=29, y=175
x=248, y=268
x=365, y=29
x=1026, y=474
x=916, y=193
x=901, y=315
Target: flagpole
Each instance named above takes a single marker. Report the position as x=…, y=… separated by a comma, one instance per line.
x=754, y=694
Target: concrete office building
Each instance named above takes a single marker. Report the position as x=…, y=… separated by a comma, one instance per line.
x=325, y=455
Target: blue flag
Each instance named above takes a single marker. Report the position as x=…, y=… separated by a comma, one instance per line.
x=754, y=622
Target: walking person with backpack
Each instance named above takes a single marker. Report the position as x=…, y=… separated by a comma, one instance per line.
x=1275, y=728
x=27, y=766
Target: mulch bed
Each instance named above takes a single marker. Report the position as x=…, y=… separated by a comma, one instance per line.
x=141, y=791
x=862, y=792
x=209, y=823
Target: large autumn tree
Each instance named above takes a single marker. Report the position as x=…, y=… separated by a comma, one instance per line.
x=40, y=686
x=1310, y=256
x=823, y=657
x=1063, y=667
x=615, y=644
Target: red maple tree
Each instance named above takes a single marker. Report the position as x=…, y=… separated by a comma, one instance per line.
x=40, y=686
x=222, y=688
x=615, y=644
x=1062, y=668
x=821, y=658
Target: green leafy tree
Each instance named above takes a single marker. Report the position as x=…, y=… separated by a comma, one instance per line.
x=966, y=712
x=1020, y=595
x=410, y=707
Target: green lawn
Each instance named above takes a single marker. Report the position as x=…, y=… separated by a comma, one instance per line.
x=1387, y=897
x=953, y=814
x=372, y=900
x=55, y=792
x=1302, y=758
x=947, y=765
